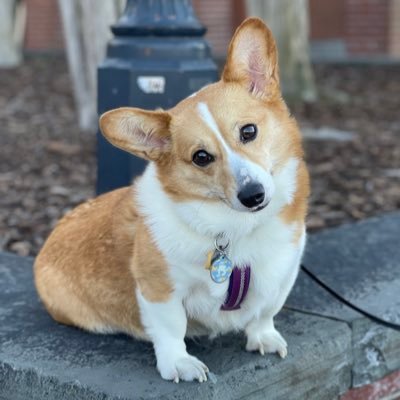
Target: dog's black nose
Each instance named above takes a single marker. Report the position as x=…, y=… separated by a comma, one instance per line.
x=252, y=195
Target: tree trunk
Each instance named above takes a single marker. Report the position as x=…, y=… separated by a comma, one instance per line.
x=87, y=31
x=12, y=26
x=288, y=20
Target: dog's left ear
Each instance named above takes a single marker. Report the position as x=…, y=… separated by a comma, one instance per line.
x=140, y=132
x=253, y=60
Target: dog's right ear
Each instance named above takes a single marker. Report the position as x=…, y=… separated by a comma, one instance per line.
x=252, y=59
x=140, y=132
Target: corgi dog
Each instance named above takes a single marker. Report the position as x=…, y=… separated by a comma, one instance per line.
x=209, y=239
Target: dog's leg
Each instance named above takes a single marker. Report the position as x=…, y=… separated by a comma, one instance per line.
x=263, y=337
x=261, y=333
x=165, y=324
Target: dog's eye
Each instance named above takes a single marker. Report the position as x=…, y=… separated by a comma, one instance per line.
x=248, y=133
x=202, y=158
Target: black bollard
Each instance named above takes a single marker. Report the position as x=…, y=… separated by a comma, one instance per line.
x=158, y=56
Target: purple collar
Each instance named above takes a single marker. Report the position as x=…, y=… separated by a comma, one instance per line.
x=239, y=282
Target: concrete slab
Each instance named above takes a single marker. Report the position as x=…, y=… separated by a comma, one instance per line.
x=308, y=297
x=376, y=352
x=361, y=262
x=376, y=348
x=40, y=359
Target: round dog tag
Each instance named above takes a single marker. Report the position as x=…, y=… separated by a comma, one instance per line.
x=221, y=269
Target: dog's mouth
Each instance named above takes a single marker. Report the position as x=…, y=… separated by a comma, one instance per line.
x=251, y=210
x=259, y=208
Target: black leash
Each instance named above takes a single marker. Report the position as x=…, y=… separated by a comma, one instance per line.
x=347, y=303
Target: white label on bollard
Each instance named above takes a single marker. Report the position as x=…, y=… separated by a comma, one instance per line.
x=151, y=84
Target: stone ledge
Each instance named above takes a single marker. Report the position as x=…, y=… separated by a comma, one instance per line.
x=40, y=359
x=331, y=349
x=361, y=261
x=375, y=348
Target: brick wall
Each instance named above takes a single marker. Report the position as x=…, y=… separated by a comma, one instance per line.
x=43, y=26
x=327, y=19
x=386, y=388
x=218, y=17
x=366, y=23
x=366, y=27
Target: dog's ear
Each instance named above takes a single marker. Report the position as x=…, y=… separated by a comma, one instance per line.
x=140, y=132
x=253, y=60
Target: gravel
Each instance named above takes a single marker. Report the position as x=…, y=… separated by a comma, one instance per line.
x=47, y=165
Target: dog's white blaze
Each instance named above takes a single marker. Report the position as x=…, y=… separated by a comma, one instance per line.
x=244, y=170
x=207, y=117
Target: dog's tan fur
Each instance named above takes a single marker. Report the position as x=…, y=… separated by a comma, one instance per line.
x=82, y=274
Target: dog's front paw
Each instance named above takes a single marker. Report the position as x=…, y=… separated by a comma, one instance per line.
x=186, y=368
x=269, y=341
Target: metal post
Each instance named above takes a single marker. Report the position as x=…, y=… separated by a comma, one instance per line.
x=158, y=56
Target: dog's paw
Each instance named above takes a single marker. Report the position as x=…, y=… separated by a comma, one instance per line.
x=270, y=341
x=187, y=368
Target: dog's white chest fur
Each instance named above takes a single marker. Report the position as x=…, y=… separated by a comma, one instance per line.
x=274, y=263
x=185, y=234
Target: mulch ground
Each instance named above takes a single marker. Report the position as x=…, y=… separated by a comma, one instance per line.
x=47, y=165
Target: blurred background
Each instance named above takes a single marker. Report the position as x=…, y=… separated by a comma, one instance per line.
x=340, y=67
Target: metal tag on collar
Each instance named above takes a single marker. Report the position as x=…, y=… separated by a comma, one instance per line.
x=218, y=263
